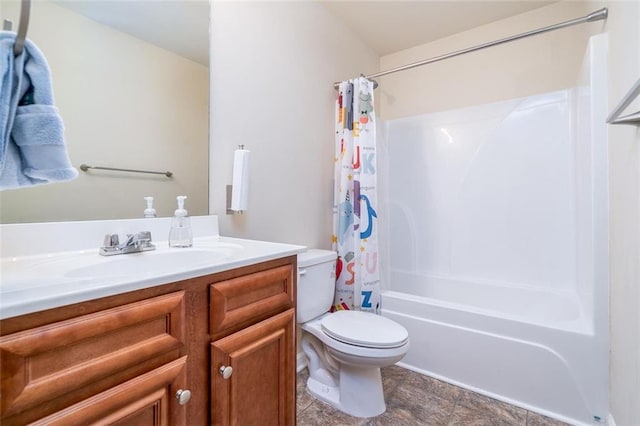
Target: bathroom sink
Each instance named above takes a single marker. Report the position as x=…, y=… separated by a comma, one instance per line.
x=49, y=265
x=150, y=263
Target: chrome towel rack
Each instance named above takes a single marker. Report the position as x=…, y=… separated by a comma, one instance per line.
x=633, y=118
x=86, y=167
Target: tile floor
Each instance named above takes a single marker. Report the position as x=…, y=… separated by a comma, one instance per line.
x=413, y=399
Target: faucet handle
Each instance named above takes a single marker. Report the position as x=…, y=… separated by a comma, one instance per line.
x=144, y=241
x=111, y=240
x=145, y=236
x=138, y=240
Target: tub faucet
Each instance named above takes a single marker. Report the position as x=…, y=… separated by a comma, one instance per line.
x=135, y=243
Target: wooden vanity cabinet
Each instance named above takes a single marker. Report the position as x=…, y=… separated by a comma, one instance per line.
x=253, y=351
x=124, y=359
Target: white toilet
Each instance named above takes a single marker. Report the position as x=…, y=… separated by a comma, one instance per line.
x=347, y=348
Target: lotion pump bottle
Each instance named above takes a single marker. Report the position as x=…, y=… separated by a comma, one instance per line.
x=180, y=234
x=149, y=211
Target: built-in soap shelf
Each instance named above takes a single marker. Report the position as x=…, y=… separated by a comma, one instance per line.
x=631, y=119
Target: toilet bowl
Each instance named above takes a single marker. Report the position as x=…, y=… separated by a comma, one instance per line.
x=345, y=349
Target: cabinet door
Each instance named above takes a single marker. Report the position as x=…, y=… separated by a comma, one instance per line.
x=261, y=388
x=147, y=400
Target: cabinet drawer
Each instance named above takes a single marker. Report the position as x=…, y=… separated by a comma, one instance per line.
x=242, y=301
x=53, y=366
x=146, y=400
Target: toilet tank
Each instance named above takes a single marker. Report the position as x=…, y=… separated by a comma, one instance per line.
x=316, y=283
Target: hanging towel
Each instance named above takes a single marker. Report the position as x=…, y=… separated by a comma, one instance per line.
x=7, y=108
x=32, y=149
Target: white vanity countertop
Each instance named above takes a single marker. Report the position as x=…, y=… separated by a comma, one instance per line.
x=35, y=282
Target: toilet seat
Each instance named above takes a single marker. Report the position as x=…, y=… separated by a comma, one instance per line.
x=364, y=329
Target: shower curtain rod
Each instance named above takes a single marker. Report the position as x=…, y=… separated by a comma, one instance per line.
x=598, y=15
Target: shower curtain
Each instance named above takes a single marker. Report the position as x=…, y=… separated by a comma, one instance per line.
x=355, y=236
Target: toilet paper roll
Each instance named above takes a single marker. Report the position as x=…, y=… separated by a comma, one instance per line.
x=240, y=183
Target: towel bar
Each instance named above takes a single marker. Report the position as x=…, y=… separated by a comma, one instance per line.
x=85, y=167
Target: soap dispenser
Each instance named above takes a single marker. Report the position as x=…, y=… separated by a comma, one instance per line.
x=180, y=234
x=149, y=211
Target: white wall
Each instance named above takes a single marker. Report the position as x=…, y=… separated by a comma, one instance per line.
x=125, y=103
x=539, y=64
x=623, y=26
x=273, y=68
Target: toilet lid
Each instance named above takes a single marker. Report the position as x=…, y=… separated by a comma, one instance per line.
x=364, y=329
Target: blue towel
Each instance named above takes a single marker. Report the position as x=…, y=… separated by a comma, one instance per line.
x=32, y=148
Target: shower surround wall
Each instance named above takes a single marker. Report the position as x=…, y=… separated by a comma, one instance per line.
x=498, y=220
x=486, y=193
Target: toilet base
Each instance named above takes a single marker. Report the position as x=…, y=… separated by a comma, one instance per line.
x=359, y=393
x=328, y=394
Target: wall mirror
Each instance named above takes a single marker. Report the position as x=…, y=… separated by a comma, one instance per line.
x=131, y=82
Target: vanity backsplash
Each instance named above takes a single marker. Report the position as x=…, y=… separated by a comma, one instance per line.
x=27, y=239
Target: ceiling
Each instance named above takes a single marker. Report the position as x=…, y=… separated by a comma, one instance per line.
x=390, y=26
x=182, y=26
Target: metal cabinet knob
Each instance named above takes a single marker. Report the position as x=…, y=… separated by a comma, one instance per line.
x=183, y=396
x=225, y=371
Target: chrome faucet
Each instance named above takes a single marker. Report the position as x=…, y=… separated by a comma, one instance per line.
x=135, y=243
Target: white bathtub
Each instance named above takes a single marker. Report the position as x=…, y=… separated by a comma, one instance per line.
x=553, y=309
x=524, y=346
x=497, y=257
